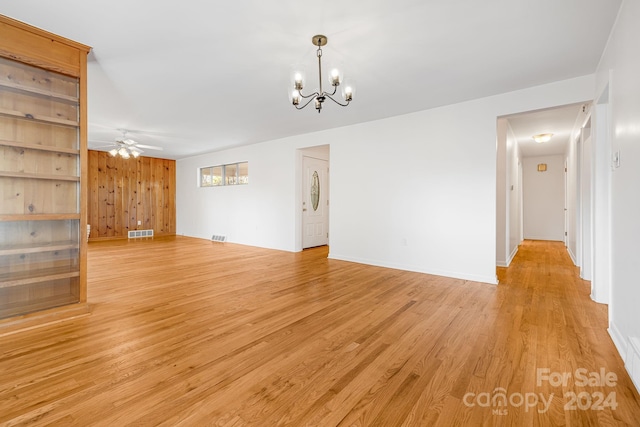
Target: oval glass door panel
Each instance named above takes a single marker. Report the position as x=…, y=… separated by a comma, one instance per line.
x=315, y=190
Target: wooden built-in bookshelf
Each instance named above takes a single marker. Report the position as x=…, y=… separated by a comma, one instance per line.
x=43, y=170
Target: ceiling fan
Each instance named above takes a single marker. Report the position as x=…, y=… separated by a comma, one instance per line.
x=126, y=147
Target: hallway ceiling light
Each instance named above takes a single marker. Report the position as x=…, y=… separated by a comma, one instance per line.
x=335, y=78
x=542, y=137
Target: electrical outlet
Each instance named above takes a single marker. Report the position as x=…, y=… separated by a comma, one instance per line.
x=139, y=222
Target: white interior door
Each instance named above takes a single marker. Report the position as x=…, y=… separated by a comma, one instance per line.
x=315, y=202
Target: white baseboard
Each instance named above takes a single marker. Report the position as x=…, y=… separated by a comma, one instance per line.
x=618, y=339
x=512, y=255
x=572, y=256
x=629, y=350
x=507, y=263
x=632, y=362
x=549, y=238
x=492, y=280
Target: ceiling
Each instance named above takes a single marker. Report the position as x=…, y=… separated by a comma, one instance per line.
x=195, y=76
x=559, y=121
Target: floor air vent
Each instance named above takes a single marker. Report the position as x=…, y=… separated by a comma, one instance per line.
x=218, y=238
x=134, y=234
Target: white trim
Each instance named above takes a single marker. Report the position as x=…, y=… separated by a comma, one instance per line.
x=632, y=362
x=547, y=238
x=571, y=255
x=451, y=274
x=509, y=258
x=512, y=255
x=618, y=339
x=629, y=351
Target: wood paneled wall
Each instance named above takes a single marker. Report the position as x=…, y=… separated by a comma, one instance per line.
x=125, y=191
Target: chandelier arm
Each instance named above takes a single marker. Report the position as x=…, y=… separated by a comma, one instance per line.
x=314, y=94
x=308, y=102
x=337, y=102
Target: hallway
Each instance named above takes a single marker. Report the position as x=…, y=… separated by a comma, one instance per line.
x=556, y=327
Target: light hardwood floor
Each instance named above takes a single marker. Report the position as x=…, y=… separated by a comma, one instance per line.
x=186, y=332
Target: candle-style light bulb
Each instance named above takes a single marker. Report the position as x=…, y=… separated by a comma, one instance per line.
x=348, y=93
x=334, y=77
x=298, y=81
x=295, y=97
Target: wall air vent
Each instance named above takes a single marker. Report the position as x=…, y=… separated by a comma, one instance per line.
x=135, y=234
x=218, y=238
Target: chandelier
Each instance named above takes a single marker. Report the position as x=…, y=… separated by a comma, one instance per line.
x=335, y=78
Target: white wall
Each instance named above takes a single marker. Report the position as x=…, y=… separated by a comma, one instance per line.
x=586, y=188
x=415, y=192
x=514, y=191
x=502, y=215
x=601, y=281
x=620, y=67
x=508, y=196
x=543, y=195
x=572, y=202
x=259, y=214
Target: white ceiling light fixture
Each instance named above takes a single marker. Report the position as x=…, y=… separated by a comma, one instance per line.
x=542, y=137
x=335, y=78
x=125, y=152
x=127, y=148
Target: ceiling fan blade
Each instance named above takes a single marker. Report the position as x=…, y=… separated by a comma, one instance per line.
x=150, y=147
x=126, y=141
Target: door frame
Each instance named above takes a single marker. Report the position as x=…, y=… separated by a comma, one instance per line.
x=321, y=152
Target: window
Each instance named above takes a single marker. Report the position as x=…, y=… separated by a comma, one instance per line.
x=211, y=176
x=231, y=174
x=243, y=173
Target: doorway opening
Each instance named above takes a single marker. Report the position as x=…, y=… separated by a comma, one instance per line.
x=314, y=196
x=538, y=193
